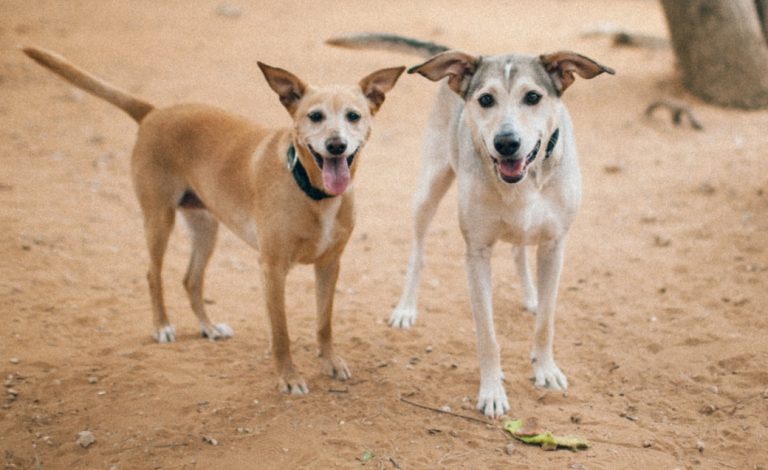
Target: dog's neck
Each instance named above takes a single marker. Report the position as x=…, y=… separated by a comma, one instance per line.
x=301, y=177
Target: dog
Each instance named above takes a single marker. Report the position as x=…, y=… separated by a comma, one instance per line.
x=285, y=192
x=500, y=129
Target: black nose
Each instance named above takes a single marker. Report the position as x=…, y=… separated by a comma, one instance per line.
x=335, y=146
x=507, y=143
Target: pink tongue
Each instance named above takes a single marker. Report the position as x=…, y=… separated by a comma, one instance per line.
x=511, y=167
x=335, y=175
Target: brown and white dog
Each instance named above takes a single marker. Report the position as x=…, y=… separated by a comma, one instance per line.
x=285, y=192
x=500, y=129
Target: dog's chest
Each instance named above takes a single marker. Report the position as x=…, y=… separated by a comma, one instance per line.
x=329, y=229
x=530, y=217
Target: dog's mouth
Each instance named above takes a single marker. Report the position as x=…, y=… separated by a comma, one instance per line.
x=513, y=170
x=335, y=171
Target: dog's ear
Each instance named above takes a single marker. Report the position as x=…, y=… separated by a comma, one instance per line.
x=562, y=65
x=288, y=86
x=377, y=84
x=458, y=66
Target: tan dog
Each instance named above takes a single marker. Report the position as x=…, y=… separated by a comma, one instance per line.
x=285, y=192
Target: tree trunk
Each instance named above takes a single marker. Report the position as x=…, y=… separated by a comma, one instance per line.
x=721, y=50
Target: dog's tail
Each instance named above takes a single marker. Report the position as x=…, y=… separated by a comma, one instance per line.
x=388, y=42
x=135, y=107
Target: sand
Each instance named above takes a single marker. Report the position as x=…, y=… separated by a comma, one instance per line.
x=661, y=323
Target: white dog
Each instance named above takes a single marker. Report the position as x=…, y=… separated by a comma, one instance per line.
x=501, y=130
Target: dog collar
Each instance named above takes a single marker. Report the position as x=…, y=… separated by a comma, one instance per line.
x=550, y=147
x=300, y=175
x=552, y=142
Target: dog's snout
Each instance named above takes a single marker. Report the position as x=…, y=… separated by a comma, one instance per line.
x=335, y=146
x=507, y=143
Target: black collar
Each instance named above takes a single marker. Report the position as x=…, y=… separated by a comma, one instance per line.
x=301, y=177
x=550, y=147
x=552, y=142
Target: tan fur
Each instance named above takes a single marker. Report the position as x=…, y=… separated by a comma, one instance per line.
x=238, y=170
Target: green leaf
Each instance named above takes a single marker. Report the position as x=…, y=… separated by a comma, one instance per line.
x=529, y=433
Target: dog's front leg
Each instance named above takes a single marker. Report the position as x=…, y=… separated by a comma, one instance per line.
x=550, y=263
x=289, y=380
x=492, y=398
x=326, y=276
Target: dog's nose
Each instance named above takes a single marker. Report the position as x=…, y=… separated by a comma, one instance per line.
x=335, y=146
x=507, y=143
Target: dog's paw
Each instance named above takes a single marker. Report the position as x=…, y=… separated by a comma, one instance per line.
x=166, y=334
x=492, y=400
x=336, y=367
x=403, y=317
x=217, y=331
x=547, y=375
x=292, y=384
x=531, y=305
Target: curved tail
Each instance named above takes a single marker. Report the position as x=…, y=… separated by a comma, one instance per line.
x=388, y=42
x=135, y=107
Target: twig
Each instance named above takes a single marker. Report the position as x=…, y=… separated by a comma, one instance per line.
x=437, y=410
x=677, y=110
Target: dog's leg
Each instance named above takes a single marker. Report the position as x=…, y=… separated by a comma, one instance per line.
x=157, y=227
x=436, y=178
x=202, y=230
x=492, y=398
x=550, y=263
x=326, y=276
x=289, y=380
x=524, y=274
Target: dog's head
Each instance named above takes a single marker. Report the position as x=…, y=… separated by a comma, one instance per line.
x=510, y=101
x=331, y=123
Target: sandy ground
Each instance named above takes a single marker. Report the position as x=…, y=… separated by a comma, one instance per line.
x=661, y=321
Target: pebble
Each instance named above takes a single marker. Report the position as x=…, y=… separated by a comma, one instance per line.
x=210, y=440
x=576, y=418
x=647, y=443
x=13, y=392
x=510, y=449
x=445, y=409
x=229, y=11
x=14, y=360
x=85, y=439
x=713, y=389
x=700, y=445
x=93, y=379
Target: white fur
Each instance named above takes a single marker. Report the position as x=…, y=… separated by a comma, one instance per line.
x=535, y=211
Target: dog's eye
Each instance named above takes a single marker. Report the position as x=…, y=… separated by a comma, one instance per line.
x=486, y=100
x=316, y=116
x=532, y=98
x=353, y=116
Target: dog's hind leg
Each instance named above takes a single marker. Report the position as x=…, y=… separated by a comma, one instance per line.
x=550, y=263
x=158, y=225
x=524, y=274
x=436, y=178
x=203, y=229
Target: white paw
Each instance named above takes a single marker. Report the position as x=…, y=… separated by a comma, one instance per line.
x=166, y=334
x=492, y=399
x=217, y=331
x=548, y=375
x=403, y=317
x=531, y=305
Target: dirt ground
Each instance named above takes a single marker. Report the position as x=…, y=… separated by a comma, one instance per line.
x=662, y=322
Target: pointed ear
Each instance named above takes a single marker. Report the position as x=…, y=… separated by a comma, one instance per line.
x=458, y=66
x=288, y=86
x=562, y=65
x=377, y=84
